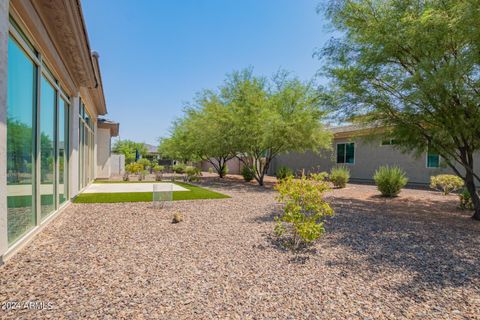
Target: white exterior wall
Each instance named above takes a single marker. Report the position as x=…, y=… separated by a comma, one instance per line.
x=73, y=157
x=103, y=153
x=3, y=125
x=95, y=150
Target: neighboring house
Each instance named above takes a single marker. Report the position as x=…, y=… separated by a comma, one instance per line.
x=358, y=149
x=152, y=153
x=52, y=144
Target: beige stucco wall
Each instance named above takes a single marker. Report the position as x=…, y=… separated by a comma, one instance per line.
x=234, y=166
x=369, y=155
x=103, y=153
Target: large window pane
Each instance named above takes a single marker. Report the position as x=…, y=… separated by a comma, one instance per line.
x=341, y=153
x=62, y=151
x=20, y=164
x=433, y=160
x=350, y=152
x=47, y=147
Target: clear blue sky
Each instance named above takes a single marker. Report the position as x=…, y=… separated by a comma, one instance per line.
x=155, y=55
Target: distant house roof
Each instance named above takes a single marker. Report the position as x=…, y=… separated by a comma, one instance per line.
x=151, y=148
x=350, y=130
x=108, y=124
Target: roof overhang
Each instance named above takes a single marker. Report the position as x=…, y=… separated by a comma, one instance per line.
x=350, y=131
x=114, y=127
x=65, y=25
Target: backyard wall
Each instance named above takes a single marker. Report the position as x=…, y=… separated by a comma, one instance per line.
x=117, y=164
x=234, y=166
x=369, y=155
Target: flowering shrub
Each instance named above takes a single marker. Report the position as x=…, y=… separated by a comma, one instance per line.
x=304, y=211
x=446, y=183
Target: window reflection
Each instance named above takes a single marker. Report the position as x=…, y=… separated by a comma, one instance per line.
x=20, y=106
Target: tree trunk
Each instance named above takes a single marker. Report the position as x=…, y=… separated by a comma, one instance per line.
x=221, y=171
x=260, y=180
x=470, y=184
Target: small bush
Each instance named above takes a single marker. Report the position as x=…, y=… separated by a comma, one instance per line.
x=446, y=183
x=134, y=168
x=465, y=198
x=390, y=180
x=177, y=217
x=247, y=173
x=339, y=176
x=304, y=212
x=211, y=170
x=158, y=169
x=179, y=168
x=283, y=172
x=321, y=176
x=193, y=173
x=145, y=162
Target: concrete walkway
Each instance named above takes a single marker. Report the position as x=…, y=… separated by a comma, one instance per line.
x=131, y=187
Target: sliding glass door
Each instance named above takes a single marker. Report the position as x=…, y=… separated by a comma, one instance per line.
x=62, y=138
x=47, y=147
x=37, y=138
x=21, y=100
x=86, y=148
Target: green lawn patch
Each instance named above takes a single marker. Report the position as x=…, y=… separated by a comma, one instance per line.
x=195, y=193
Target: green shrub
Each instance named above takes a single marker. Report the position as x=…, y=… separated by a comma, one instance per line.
x=390, y=180
x=158, y=169
x=247, y=173
x=466, y=202
x=304, y=212
x=134, y=168
x=145, y=162
x=211, y=170
x=179, y=168
x=283, y=172
x=320, y=176
x=339, y=176
x=193, y=173
x=446, y=183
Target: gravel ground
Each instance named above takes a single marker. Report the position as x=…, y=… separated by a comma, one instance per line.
x=413, y=257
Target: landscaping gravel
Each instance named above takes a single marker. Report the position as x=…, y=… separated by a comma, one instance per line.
x=412, y=257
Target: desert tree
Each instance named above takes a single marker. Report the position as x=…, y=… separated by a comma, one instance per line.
x=273, y=116
x=412, y=67
x=203, y=133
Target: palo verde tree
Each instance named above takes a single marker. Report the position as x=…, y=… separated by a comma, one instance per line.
x=270, y=117
x=129, y=148
x=203, y=133
x=413, y=67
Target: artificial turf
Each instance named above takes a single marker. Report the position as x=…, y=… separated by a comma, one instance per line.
x=195, y=193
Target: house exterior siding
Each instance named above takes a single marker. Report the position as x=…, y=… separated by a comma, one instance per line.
x=51, y=95
x=369, y=155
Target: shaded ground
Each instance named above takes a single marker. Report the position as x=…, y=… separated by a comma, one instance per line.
x=413, y=257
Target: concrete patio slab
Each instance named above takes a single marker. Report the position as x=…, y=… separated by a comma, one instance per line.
x=131, y=187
